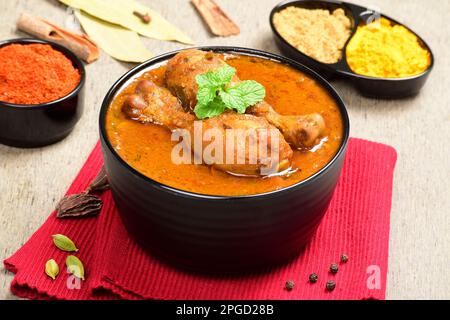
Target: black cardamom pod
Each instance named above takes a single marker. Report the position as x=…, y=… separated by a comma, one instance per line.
x=84, y=204
x=100, y=182
x=78, y=205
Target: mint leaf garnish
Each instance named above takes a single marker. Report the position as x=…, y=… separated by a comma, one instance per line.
x=217, y=78
x=215, y=94
x=250, y=91
x=225, y=74
x=206, y=94
x=233, y=100
x=213, y=109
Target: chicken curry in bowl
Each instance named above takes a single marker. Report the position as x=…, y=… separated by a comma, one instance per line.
x=303, y=119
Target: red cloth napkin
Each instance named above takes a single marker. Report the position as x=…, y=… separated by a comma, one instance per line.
x=357, y=224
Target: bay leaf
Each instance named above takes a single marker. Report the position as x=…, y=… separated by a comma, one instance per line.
x=120, y=12
x=120, y=43
x=64, y=243
x=52, y=269
x=75, y=267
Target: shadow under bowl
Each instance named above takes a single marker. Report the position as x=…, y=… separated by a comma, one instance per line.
x=29, y=126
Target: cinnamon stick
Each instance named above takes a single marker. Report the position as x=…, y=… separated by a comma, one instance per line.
x=217, y=20
x=80, y=44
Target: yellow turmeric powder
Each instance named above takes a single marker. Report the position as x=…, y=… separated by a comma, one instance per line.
x=387, y=50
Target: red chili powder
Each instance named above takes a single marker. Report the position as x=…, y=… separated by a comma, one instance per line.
x=35, y=73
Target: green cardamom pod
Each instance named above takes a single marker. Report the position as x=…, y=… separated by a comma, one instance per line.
x=51, y=268
x=64, y=243
x=75, y=267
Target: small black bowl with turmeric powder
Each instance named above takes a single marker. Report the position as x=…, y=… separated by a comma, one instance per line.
x=380, y=56
x=41, y=92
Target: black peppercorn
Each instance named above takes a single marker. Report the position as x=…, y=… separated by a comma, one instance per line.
x=290, y=285
x=313, y=278
x=344, y=258
x=331, y=285
x=334, y=268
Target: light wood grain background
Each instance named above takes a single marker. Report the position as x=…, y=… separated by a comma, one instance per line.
x=32, y=181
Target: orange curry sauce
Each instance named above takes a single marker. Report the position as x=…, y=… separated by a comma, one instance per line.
x=148, y=147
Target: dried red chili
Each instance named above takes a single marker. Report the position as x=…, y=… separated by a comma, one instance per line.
x=35, y=73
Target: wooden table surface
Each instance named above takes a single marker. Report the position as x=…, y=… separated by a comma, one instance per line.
x=33, y=180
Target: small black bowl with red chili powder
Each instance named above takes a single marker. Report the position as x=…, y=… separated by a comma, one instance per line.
x=41, y=92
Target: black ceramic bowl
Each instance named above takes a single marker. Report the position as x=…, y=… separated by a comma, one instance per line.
x=42, y=124
x=217, y=233
x=388, y=88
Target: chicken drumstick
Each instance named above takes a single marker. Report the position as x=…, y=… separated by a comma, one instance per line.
x=153, y=104
x=303, y=132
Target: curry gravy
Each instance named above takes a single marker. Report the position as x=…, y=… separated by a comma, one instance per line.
x=147, y=148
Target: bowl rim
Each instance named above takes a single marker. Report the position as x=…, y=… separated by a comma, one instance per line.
x=224, y=49
x=329, y=66
x=78, y=64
